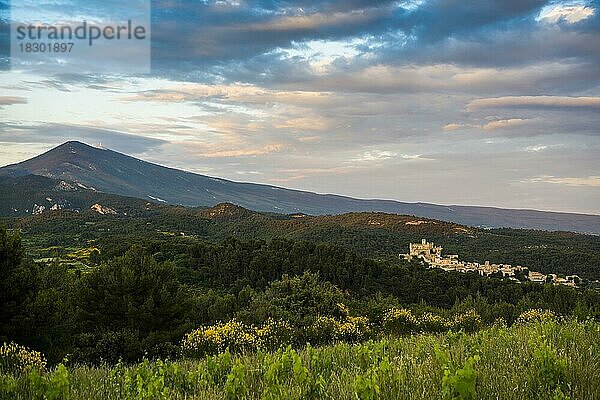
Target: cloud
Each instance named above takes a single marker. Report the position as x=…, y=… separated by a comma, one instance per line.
x=570, y=14
x=415, y=157
x=458, y=126
x=505, y=123
x=10, y=100
x=379, y=155
x=518, y=44
x=206, y=41
x=443, y=78
x=541, y=147
x=202, y=34
x=591, y=181
x=375, y=155
x=54, y=134
x=306, y=124
x=295, y=174
x=308, y=139
x=249, y=40
x=312, y=22
x=535, y=148
x=489, y=126
x=535, y=102
x=248, y=152
x=248, y=93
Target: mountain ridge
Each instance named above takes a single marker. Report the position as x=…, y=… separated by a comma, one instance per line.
x=109, y=171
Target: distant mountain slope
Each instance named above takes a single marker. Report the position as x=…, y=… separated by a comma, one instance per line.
x=111, y=172
x=34, y=194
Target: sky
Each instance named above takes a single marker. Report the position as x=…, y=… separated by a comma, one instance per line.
x=493, y=103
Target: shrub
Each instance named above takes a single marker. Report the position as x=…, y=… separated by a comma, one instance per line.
x=217, y=368
x=430, y=322
x=355, y=329
x=536, y=315
x=274, y=334
x=379, y=377
x=469, y=321
x=366, y=388
x=232, y=335
x=109, y=347
x=327, y=329
x=297, y=300
x=237, y=336
x=15, y=358
x=459, y=383
x=400, y=320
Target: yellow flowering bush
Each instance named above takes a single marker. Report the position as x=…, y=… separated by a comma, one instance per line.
x=236, y=337
x=232, y=335
x=468, y=321
x=536, y=315
x=430, y=322
x=327, y=329
x=274, y=334
x=354, y=329
x=400, y=320
x=15, y=358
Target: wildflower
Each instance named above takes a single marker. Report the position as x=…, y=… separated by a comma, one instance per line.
x=536, y=315
x=400, y=320
x=17, y=358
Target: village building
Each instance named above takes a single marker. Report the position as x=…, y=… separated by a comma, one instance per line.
x=431, y=255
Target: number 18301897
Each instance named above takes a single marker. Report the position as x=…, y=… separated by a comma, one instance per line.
x=46, y=47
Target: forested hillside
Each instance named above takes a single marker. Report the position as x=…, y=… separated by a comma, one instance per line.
x=144, y=301
x=373, y=235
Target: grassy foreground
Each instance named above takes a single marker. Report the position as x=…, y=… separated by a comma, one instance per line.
x=537, y=360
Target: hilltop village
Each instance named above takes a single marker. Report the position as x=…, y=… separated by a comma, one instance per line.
x=431, y=255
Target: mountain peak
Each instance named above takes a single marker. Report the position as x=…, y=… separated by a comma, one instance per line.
x=70, y=161
x=74, y=145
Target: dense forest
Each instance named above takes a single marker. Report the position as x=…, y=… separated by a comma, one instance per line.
x=144, y=300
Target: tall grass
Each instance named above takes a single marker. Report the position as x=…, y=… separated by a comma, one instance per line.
x=545, y=359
